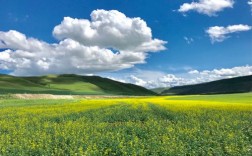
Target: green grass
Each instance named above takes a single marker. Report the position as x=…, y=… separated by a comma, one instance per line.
x=68, y=84
x=78, y=87
x=181, y=125
x=159, y=90
x=228, y=98
x=233, y=85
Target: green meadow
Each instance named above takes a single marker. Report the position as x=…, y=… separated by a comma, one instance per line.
x=166, y=125
x=68, y=84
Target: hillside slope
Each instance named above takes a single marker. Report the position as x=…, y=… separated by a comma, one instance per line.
x=69, y=84
x=232, y=85
x=159, y=90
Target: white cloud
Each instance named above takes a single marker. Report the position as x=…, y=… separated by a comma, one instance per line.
x=188, y=40
x=166, y=80
x=138, y=81
x=110, y=41
x=109, y=29
x=208, y=7
x=171, y=80
x=219, y=33
x=250, y=4
x=217, y=74
x=193, y=72
x=154, y=79
x=145, y=78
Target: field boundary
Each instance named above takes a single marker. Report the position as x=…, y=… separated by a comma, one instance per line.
x=51, y=96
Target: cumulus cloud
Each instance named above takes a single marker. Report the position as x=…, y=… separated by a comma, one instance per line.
x=139, y=81
x=219, y=33
x=154, y=79
x=250, y=4
x=193, y=72
x=195, y=76
x=166, y=80
x=208, y=7
x=216, y=74
x=171, y=80
x=110, y=41
x=109, y=29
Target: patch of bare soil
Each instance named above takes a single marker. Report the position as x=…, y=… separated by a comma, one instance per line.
x=51, y=96
x=42, y=96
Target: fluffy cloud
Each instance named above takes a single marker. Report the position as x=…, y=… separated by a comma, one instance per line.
x=250, y=4
x=109, y=41
x=139, y=81
x=167, y=80
x=109, y=29
x=219, y=33
x=216, y=74
x=208, y=7
x=154, y=79
x=193, y=72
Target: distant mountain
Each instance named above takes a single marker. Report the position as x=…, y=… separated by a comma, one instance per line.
x=232, y=85
x=69, y=84
x=159, y=90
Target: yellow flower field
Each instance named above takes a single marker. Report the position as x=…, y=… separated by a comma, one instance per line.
x=165, y=125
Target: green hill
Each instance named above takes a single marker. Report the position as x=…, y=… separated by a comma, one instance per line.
x=159, y=90
x=69, y=84
x=232, y=85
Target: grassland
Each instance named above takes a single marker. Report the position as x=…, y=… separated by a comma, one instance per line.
x=159, y=90
x=241, y=84
x=68, y=84
x=169, y=125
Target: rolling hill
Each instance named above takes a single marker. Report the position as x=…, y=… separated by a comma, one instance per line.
x=69, y=84
x=159, y=90
x=232, y=85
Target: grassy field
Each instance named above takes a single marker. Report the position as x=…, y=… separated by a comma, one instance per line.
x=68, y=84
x=169, y=125
x=241, y=84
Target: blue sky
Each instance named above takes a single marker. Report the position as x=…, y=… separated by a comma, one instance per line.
x=189, y=45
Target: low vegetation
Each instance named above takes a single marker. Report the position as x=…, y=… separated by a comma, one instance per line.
x=233, y=85
x=68, y=85
x=159, y=90
x=171, y=125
